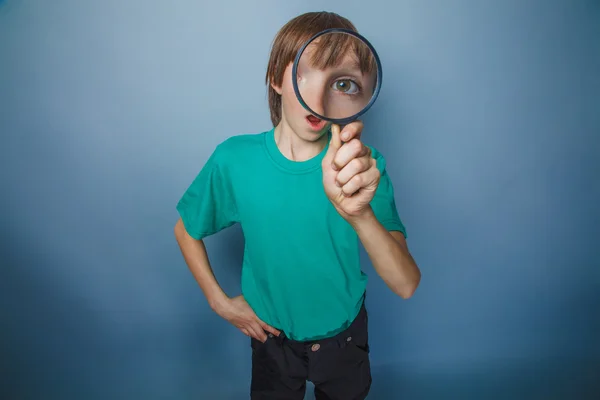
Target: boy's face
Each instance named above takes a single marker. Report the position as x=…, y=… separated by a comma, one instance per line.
x=338, y=91
x=305, y=125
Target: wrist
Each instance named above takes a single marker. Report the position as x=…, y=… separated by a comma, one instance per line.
x=219, y=303
x=364, y=218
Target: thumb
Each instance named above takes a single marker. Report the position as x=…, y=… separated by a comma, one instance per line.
x=335, y=143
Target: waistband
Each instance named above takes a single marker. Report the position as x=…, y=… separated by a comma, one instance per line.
x=340, y=338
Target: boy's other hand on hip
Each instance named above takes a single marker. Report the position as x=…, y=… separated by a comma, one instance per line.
x=239, y=313
x=350, y=174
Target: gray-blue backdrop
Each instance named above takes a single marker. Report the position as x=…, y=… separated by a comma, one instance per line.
x=490, y=120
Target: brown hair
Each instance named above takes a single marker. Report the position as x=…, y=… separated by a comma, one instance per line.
x=330, y=50
x=290, y=39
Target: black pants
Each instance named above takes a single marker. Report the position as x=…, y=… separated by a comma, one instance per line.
x=339, y=366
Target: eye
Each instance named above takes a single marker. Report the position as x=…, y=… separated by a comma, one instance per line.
x=346, y=86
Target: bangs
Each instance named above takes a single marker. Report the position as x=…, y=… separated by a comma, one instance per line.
x=331, y=50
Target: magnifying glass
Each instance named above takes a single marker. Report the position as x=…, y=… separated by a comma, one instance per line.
x=336, y=77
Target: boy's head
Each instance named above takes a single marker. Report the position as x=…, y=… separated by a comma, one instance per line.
x=287, y=43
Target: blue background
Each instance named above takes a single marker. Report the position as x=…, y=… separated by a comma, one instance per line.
x=489, y=117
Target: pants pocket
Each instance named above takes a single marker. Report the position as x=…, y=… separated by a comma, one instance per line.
x=358, y=337
x=360, y=344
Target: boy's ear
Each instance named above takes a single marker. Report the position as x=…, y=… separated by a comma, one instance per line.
x=277, y=88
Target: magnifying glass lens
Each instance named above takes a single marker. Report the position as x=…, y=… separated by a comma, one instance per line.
x=337, y=76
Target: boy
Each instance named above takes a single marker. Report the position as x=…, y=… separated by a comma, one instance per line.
x=304, y=199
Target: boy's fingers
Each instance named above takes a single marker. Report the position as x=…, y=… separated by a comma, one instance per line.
x=258, y=332
x=354, y=167
x=360, y=181
x=268, y=328
x=256, y=336
x=348, y=152
x=352, y=131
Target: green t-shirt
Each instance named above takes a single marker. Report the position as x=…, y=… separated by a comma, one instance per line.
x=301, y=269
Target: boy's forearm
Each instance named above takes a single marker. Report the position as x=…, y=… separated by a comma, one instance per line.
x=389, y=255
x=196, y=258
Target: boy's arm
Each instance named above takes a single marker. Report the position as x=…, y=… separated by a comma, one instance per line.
x=235, y=310
x=362, y=193
x=196, y=258
x=389, y=254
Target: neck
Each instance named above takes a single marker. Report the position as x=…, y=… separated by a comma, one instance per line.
x=294, y=147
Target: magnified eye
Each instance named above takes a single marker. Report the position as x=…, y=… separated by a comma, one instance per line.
x=346, y=86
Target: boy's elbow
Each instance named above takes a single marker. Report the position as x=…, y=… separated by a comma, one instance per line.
x=407, y=292
x=408, y=289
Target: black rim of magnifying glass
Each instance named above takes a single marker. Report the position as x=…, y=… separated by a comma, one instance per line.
x=340, y=121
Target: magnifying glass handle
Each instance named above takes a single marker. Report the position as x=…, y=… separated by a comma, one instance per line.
x=336, y=131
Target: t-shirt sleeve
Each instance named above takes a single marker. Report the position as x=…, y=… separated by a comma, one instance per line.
x=208, y=205
x=383, y=203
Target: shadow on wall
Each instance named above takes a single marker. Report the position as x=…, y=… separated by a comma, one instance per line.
x=61, y=345
x=547, y=379
x=556, y=380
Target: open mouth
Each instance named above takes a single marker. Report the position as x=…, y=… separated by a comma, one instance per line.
x=315, y=123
